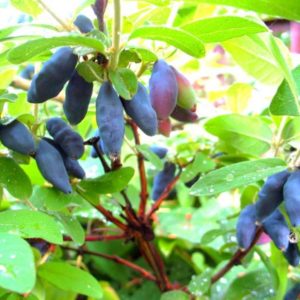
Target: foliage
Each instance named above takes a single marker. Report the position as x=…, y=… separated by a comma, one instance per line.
x=179, y=111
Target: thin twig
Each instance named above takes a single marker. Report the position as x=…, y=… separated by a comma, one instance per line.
x=99, y=237
x=54, y=15
x=142, y=171
x=150, y=256
x=144, y=273
x=278, y=137
x=108, y=215
x=117, y=27
x=237, y=257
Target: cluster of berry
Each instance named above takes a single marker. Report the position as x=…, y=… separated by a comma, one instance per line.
x=278, y=188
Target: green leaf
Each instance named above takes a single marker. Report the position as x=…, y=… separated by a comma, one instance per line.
x=211, y=235
x=111, y=182
x=247, y=134
x=6, y=77
x=291, y=130
x=238, y=97
x=282, y=269
x=269, y=266
x=284, y=65
x=152, y=157
x=256, y=283
x=222, y=28
x=284, y=101
x=178, y=38
x=8, y=97
x=72, y=227
x=127, y=56
x=30, y=224
x=14, y=179
x=69, y=278
x=201, y=163
x=33, y=48
x=90, y=70
x=236, y=175
x=30, y=7
x=21, y=106
x=125, y=82
x=175, y=295
x=7, y=31
x=146, y=55
x=53, y=199
x=200, y=284
x=186, y=223
x=289, y=9
x=253, y=54
x=17, y=269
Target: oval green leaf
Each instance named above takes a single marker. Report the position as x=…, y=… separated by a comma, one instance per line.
x=236, y=175
x=247, y=134
x=125, y=82
x=176, y=37
x=69, y=278
x=175, y=295
x=14, y=179
x=30, y=224
x=52, y=199
x=284, y=102
x=33, y=48
x=72, y=227
x=151, y=157
x=222, y=28
x=256, y=283
x=16, y=264
x=111, y=182
x=254, y=55
x=289, y=9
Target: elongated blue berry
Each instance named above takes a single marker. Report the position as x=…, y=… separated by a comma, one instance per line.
x=84, y=24
x=183, y=115
x=277, y=229
x=291, y=194
x=162, y=179
x=27, y=72
x=140, y=110
x=72, y=165
x=78, y=96
x=292, y=254
x=52, y=167
x=17, y=137
x=246, y=228
x=161, y=152
x=293, y=293
x=53, y=76
x=110, y=119
x=163, y=89
x=271, y=195
x=69, y=140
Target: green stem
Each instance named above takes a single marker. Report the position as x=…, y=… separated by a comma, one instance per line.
x=117, y=27
x=54, y=15
x=277, y=142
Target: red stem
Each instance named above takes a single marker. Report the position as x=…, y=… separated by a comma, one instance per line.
x=237, y=257
x=142, y=171
x=98, y=237
x=108, y=215
x=154, y=260
x=144, y=273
